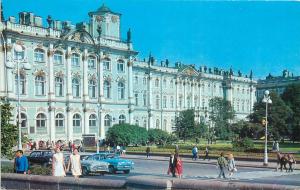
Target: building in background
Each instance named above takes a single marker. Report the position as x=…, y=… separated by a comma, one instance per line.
x=84, y=78
x=276, y=84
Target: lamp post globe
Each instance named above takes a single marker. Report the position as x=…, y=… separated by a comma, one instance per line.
x=18, y=48
x=267, y=92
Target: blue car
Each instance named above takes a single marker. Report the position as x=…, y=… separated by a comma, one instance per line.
x=116, y=163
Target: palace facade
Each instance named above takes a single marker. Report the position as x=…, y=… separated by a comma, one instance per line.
x=82, y=79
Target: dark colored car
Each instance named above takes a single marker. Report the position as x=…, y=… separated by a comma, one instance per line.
x=40, y=157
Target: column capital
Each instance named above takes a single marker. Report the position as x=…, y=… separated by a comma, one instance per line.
x=50, y=52
x=68, y=55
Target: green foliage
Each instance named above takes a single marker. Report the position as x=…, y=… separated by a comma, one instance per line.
x=7, y=168
x=157, y=136
x=9, y=132
x=244, y=145
x=127, y=134
x=221, y=112
x=278, y=115
x=243, y=129
x=291, y=97
x=185, y=124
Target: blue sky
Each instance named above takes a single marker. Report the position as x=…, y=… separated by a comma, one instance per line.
x=262, y=36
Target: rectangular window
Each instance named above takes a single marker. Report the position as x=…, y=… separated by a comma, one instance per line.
x=38, y=56
x=121, y=68
x=57, y=59
x=92, y=63
x=75, y=61
x=106, y=66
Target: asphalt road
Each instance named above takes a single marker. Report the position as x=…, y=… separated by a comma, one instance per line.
x=158, y=169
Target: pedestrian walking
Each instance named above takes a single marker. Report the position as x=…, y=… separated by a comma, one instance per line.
x=179, y=167
x=148, y=151
x=291, y=161
x=206, y=152
x=172, y=165
x=195, y=152
x=222, y=165
x=75, y=164
x=58, y=165
x=278, y=160
x=20, y=163
x=277, y=146
x=231, y=165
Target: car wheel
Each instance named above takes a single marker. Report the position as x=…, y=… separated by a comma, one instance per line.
x=112, y=170
x=126, y=171
x=85, y=171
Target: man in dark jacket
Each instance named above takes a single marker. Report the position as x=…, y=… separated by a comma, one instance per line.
x=172, y=164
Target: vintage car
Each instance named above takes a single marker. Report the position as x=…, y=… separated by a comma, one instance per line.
x=115, y=162
x=92, y=164
x=40, y=157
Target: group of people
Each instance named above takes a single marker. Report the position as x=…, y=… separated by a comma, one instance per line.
x=283, y=160
x=195, y=153
x=59, y=169
x=222, y=164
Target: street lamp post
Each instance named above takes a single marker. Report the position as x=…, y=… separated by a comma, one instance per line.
x=267, y=100
x=18, y=49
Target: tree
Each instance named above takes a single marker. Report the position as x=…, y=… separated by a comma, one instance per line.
x=9, y=132
x=244, y=129
x=291, y=97
x=158, y=136
x=127, y=134
x=278, y=114
x=221, y=113
x=185, y=124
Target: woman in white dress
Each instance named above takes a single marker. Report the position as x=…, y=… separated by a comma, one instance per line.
x=58, y=165
x=74, y=161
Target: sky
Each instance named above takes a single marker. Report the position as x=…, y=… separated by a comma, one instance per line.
x=263, y=36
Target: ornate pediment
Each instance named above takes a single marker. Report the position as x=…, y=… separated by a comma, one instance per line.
x=189, y=71
x=79, y=35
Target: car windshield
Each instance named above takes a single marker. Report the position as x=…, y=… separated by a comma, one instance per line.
x=109, y=156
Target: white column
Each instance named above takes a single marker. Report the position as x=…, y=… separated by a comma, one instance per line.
x=177, y=95
x=69, y=74
x=100, y=79
x=192, y=98
x=51, y=122
x=252, y=97
x=150, y=100
x=2, y=70
x=101, y=120
x=51, y=72
x=86, y=123
x=130, y=91
x=229, y=92
x=85, y=75
x=199, y=91
x=69, y=124
x=10, y=79
x=184, y=94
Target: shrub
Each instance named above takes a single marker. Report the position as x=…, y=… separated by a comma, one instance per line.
x=39, y=170
x=7, y=168
x=245, y=144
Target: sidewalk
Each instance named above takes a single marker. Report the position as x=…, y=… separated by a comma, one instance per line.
x=251, y=164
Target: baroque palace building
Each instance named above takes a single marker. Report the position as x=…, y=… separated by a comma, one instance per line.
x=83, y=79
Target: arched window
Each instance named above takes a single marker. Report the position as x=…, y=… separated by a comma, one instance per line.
x=107, y=88
x=120, y=66
x=76, y=123
x=107, y=121
x=58, y=58
x=145, y=123
x=157, y=83
x=92, y=89
x=22, y=87
x=121, y=90
x=93, y=121
x=157, y=100
x=171, y=83
x=157, y=124
x=122, y=119
x=165, y=125
x=195, y=101
x=144, y=80
x=59, y=120
x=39, y=55
x=106, y=65
x=165, y=83
x=19, y=55
x=41, y=120
x=75, y=60
x=40, y=85
x=136, y=95
x=172, y=102
x=58, y=86
x=180, y=102
x=75, y=87
x=165, y=102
